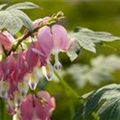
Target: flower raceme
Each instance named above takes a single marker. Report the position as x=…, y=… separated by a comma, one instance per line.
x=52, y=40
x=18, y=71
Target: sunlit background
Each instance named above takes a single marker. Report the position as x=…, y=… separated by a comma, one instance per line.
x=96, y=15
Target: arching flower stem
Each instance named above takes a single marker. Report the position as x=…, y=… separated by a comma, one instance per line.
x=62, y=81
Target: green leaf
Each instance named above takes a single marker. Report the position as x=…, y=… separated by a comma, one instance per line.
x=88, y=39
x=25, y=5
x=110, y=110
x=96, y=36
x=98, y=71
x=10, y=22
x=24, y=18
x=2, y=6
x=109, y=63
x=3, y=18
x=83, y=41
x=103, y=101
x=13, y=19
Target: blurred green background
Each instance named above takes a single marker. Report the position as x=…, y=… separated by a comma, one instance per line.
x=96, y=15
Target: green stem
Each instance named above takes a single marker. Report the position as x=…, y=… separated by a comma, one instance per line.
x=62, y=81
x=2, y=109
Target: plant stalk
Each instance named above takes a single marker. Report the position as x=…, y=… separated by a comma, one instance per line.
x=62, y=81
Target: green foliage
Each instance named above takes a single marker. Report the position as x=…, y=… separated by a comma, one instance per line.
x=12, y=18
x=87, y=39
x=98, y=71
x=89, y=14
x=104, y=102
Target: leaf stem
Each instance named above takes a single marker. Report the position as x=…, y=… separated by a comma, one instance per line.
x=62, y=81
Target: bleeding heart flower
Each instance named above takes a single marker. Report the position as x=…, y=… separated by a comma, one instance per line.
x=38, y=107
x=31, y=57
x=8, y=66
x=21, y=69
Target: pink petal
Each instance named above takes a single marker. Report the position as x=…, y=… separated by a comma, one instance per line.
x=31, y=57
x=21, y=66
x=8, y=66
x=27, y=109
x=43, y=108
x=45, y=42
x=60, y=37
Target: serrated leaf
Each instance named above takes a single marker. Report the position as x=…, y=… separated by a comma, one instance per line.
x=83, y=41
x=103, y=36
x=24, y=18
x=2, y=6
x=98, y=71
x=25, y=5
x=88, y=38
x=97, y=102
x=9, y=21
x=13, y=19
x=97, y=36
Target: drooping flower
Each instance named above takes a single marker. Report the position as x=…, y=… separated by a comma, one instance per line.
x=60, y=39
x=13, y=87
x=37, y=108
x=8, y=66
x=6, y=82
x=21, y=69
x=31, y=57
x=51, y=40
